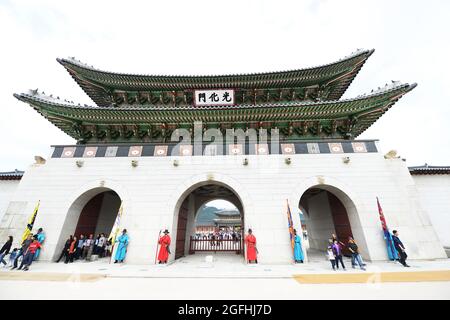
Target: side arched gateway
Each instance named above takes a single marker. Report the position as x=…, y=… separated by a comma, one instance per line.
x=327, y=210
x=93, y=212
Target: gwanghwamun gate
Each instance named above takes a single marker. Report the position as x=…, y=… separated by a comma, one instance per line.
x=163, y=146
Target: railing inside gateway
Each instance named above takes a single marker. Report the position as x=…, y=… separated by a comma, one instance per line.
x=215, y=245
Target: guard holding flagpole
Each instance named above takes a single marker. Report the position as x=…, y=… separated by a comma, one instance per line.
x=115, y=230
x=298, y=251
x=121, y=251
x=391, y=250
x=164, y=250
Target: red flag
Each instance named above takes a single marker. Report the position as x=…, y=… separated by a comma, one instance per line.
x=382, y=219
x=392, y=252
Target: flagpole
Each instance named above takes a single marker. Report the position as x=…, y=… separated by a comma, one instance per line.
x=392, y=254
x=157, y=242
x=291, y=227
x=112, y=252
x=245, y=247
x=31, y=221
x=115, y=230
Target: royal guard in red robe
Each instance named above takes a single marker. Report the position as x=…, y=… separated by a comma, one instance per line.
x=164, y=250
x=250, y=241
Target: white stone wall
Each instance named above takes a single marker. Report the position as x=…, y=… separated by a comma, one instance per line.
x=434, y=191
x=319, y=221
x=7, y=189
x=152, y=193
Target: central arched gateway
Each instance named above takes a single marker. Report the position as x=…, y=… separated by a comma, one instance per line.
x=188, y=207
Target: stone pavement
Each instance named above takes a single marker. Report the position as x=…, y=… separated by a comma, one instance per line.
x=224, y=266
x=226, y=278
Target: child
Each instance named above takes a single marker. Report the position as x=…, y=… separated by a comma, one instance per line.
x=330, y=254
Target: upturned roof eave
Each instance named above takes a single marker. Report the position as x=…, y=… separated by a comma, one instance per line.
x=90, y=78
x=366, y=110
x=34, y=96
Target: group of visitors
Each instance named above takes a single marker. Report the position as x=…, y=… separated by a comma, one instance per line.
x=82, y=248
x=29, y=251
x=335, y=254
x=219, y=235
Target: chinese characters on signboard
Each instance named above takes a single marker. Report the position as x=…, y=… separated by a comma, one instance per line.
x=220, y=97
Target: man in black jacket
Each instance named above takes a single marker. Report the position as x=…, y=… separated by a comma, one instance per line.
x=400, y=248
x=5, y=249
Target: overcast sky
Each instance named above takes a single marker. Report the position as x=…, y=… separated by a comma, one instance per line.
x=411, y=39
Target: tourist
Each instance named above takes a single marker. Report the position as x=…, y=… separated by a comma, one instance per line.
x=108, y=248
x=356, y=257
x=40, y=237
x=252, y=251
x=101, y=245
x=65, y=250
x=80, y=245
x=95, y=249
x=88, y=247
x=30, y=254
x=337, y=250
x=122, y=247
x=213, y=240
x=12, y=257
x=330, y=254
x=298, y=251
x=5, y=250
x=164, y=250
x=22, y=250
x=400, y=248
x=305, y=235
x=71, y=251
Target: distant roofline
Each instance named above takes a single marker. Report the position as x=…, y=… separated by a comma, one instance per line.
x=427, y=170
x=11, y=175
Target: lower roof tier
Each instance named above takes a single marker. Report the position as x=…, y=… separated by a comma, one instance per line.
x=341, y=119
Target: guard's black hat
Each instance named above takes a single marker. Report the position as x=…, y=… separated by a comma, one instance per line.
x=166, y=231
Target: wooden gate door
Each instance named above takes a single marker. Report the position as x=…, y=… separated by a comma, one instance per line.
x=340, y=220
x=87, y=222
x=181, y=230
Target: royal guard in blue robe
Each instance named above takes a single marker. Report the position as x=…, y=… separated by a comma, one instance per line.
x=298, y=251
x=40, y=236
x=121, y=251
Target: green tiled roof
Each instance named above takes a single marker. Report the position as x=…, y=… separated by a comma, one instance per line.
x=332, y=79
x=353, y=115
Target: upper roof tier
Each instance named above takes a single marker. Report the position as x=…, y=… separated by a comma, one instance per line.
x=323, y=83
x=341, y=119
